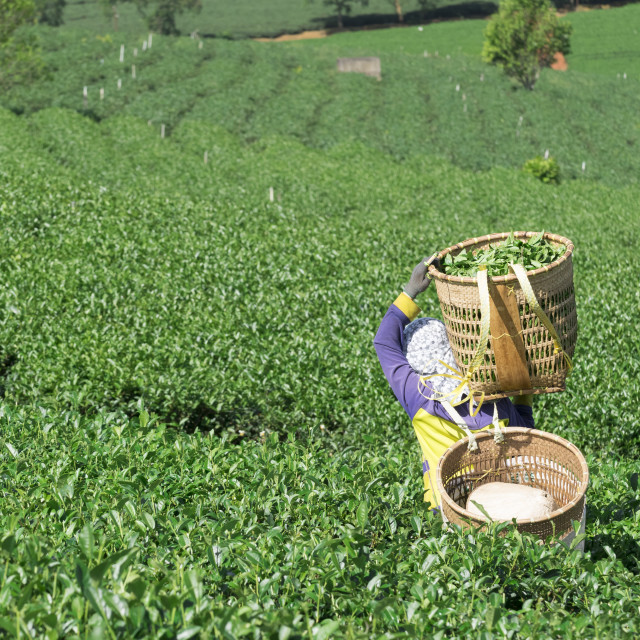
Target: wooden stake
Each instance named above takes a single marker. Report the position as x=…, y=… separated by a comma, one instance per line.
x=206, y=157
x=84, y=97
x=121, y=53
x=101, y=93
x=270, y=194
x=162, y=131
x=133, y=71
x=149, y=41
x=119, y=83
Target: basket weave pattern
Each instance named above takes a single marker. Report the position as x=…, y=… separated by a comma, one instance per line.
x=527, y=456
x=553, y=287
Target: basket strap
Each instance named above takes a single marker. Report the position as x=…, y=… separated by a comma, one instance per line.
x=498, y=433
x=485, y=329
x=459, y=421
x=521, y=273
x=485, y=325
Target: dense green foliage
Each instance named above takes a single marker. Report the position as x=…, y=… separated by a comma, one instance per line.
x=547, y=170
x=161, y=16
x=342, y=8
x=19, y=53
x=256, y=90
x=253, y=18
x=50, y=12
x=524, y=37
x=156, y=239
x=196, y=439
x=496, y=258
x=127, y=529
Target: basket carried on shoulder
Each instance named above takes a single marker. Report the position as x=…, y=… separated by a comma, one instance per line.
x=527, y=456
x=514, y=334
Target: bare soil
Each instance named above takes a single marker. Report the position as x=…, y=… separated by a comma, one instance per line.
x=559, y=62
x=303, y=35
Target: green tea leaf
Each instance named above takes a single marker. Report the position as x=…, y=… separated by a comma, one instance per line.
x=362, y=514
x=86, y=541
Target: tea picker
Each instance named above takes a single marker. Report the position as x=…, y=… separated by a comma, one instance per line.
x=509, y=329
x=415, y=356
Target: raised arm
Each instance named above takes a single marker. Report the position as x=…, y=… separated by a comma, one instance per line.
x=388, y=344
x=405, y=382
x=388, y=341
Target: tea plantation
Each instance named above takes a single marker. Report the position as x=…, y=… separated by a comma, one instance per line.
x=452, y=106
x=196, y=439
x=251, y=18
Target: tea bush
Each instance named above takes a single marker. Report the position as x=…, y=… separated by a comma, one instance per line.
x=196, y=439
x=117, y=527
x=546, y=170
x=452, y=106
x=166, y=278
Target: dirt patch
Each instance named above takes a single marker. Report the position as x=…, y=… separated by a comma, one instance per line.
x=303, y=35
x=559, y=62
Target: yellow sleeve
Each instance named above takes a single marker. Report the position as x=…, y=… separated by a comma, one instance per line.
x=407, y=306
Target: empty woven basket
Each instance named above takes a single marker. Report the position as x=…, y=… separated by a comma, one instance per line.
x=527, y=456
x=522, y=355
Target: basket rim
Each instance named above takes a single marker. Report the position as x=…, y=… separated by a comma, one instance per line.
x=439, y=275
x=483, y=435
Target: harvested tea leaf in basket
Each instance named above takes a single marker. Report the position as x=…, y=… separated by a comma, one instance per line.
x=531, y=254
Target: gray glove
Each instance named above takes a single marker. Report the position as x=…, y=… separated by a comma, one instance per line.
x=420, y=281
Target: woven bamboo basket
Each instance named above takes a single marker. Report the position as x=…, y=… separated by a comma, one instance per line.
x=527, y=456
x=522, y=356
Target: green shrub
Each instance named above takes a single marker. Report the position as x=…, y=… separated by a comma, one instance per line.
x=547, y=170
x=523, y=37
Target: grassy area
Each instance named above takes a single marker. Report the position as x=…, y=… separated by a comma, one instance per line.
x=133, y=271
x=607, y=42
x=248, y=18
x=196, y=439
x=452, y=105
x=102, y=340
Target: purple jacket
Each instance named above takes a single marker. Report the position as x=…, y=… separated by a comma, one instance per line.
x=404, y=381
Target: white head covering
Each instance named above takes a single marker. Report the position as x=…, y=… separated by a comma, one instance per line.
x=425, y=344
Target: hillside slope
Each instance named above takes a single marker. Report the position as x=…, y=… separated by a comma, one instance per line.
x=451, y=106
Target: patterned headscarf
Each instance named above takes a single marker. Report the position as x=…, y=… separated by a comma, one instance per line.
x=425, y=344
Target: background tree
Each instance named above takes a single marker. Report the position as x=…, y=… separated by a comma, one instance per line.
x=343, y=8
x=523, y=37
x=20, y=59
x=50, y=11
x=162, y=19
x=424, y=6
x=398, y=7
